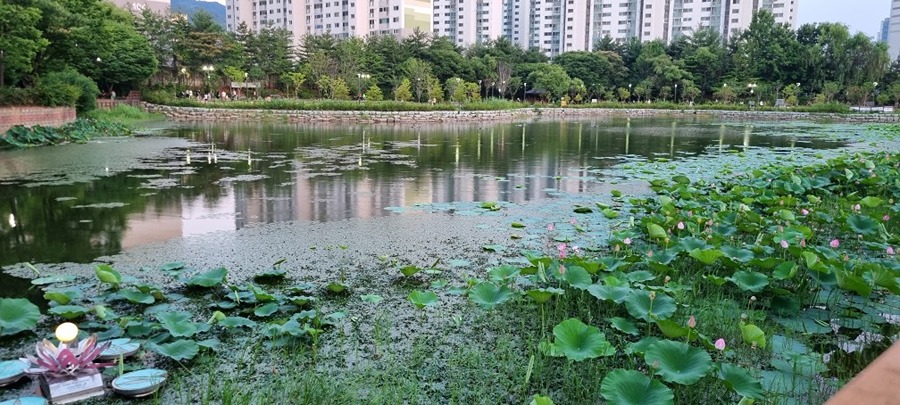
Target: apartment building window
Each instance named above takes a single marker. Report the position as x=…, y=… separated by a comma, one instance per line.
x=646, y=24
x=648, y=15
x=734, y=20
x=646, y=33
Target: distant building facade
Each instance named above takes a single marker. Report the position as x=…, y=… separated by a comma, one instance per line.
x=883, y=30
x=894, y=30
x=341, y=18
x=553, y=26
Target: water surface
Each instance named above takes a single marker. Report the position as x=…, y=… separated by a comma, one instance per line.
x=76, y=202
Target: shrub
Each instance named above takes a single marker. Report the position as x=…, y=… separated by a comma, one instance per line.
x=17, y=96
x=68, y=88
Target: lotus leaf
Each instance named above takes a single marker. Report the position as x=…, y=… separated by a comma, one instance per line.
x=640, y=306
x=409, y=271
x=543, y=295
x=337, y=287
x=488, y=295
x=371, y=298
x=236, y=321
x=57, y=278
x=137, y=297
x=583, y=210
x=871, y=202
x=493, y=248
x=610, y=213
x=17, y=315
x=752, y=334
x=740, y=381
x=785, y=270
x=678, y=362
x=275, y=274
x=179, y=324
x=630, y=387
x=517, y=225
x=210, y=344
x=209, y=279
x=178, y=350
x=624, y=326
x=750, y=280
x=577, y=341
x=616, y=294
x=707, y=256
x=656, y=232
x=578, y=277
x=540, y=400
x=503, y=273
x=422, y=299
x=62, y=297
x=68, y=311
x=106, y=274
x=862, y=224
x=266, y=310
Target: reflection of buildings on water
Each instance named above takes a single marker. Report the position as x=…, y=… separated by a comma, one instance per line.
x=187, y=217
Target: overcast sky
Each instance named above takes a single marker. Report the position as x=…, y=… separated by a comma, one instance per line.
x=860, y=15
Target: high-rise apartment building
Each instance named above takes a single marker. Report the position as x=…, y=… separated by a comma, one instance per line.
x=883, y=30
x=553, y=26
x=341, y=18
x=894, y=31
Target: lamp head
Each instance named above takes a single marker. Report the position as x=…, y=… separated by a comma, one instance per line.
x=66, y=332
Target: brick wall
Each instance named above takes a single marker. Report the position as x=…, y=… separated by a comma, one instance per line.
x=47, y=116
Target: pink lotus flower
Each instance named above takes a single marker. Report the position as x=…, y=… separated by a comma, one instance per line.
x=720, y=344
x=627, y=241
x=562, y=251
x=681, y=225
x=550, y=227
x=573, y=221
x=649, y=253
x=690, y=213
x=857, y=208
x=886, y=218
x=802, y=242
x=562, y=269
x=835, y=243
x=692, y=322
x=784, y=244
x=890, y=250
x=804, y=212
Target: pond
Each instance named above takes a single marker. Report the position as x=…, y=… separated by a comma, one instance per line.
x=75, y=203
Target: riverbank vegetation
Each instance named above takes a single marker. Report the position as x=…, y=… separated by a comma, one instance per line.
x=64, y=53
x=124, y=114
x=815, y=64
x=79, y=131
x=777, y=284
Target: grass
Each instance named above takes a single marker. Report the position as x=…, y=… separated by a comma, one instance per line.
x=158, y=97
x=124, y=114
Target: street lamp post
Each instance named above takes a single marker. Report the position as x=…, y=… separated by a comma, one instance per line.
x=676, y=93
x=724, y=93
x=244, y=85
x=524, y=90
x=629, y=92
x=798, y=92
x=208, y=69
x=874, y=95
x=479, y=89
x=361, y=77
x=752, y=87
x=502, y=86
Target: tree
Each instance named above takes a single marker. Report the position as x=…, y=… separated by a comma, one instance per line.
x=374, y=93
x=294, y=79
x=434, y=90
x=403, y=92
x=551, y=79
x=21, y=41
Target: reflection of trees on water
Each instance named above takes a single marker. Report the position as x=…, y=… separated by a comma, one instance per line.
x=325, y=172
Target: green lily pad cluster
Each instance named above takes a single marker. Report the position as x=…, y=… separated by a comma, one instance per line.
x=170, y=322
x=806, y=252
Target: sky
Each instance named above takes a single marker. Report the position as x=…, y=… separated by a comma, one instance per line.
x=860, y=15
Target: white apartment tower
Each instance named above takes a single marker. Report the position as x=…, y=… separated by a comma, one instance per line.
x=554, y=26
x=894, y=30
x=341, y=18
x=468, y=22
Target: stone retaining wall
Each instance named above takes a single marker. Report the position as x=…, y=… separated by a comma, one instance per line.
x=413, y=117
x=47, y=116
